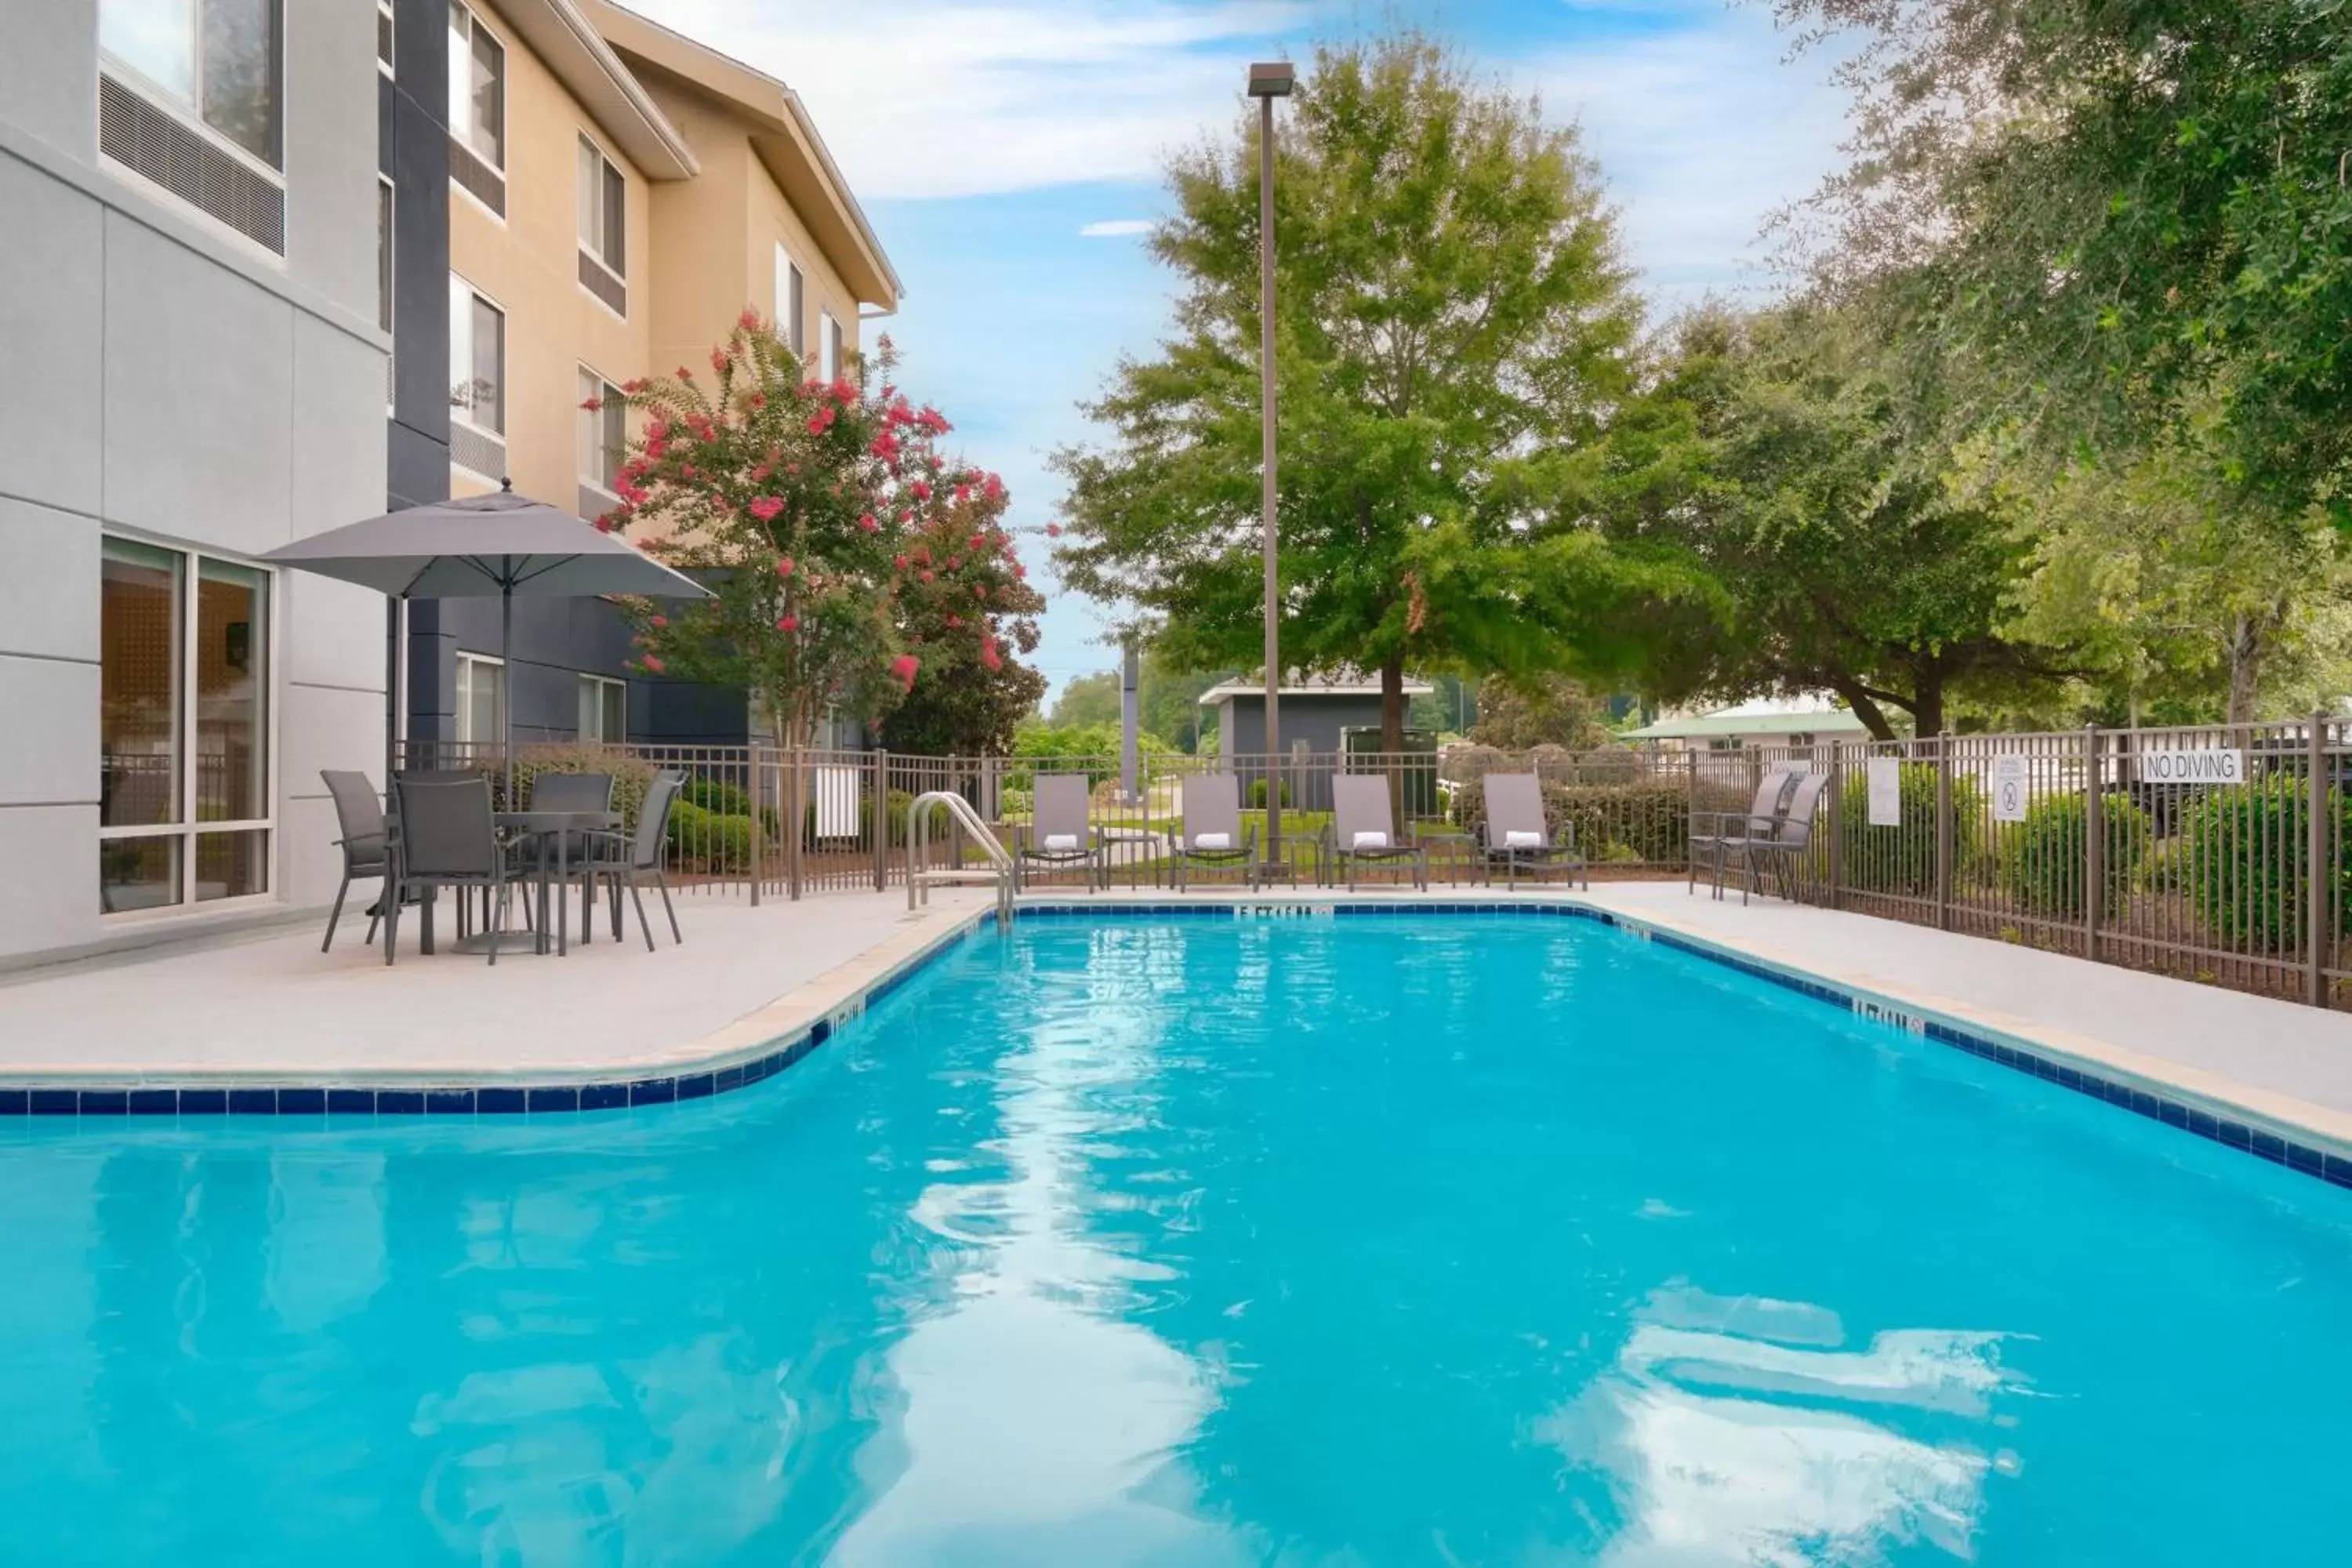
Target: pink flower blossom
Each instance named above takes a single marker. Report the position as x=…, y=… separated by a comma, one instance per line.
x=593, y=405
x=899, y=562
x=749, y=321
x=765, y=508
x=785, y=567
x=719, y=361
x=684, y=373
x=604, y=523
x=868, y=525
x=1019, y=570
x=843, y=391
x=904, y=667
x=659, y=622
x=927, y=576
x=989, y=656
x=980, y=590
x=920, y=491
x=1053, y=530
x=651, y=665
x=758, y=400
x=963, y=494
x=788, y=623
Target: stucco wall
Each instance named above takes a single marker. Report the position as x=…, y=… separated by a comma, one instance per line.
x=171, y=381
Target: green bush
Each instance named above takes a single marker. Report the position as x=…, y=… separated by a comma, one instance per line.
x=2243, y=861
x=630, y=775
x=2042, y=862
x=709, y=841
x=724, y=796
x=1258, y=794
x=1902, y=858
x=901, y=803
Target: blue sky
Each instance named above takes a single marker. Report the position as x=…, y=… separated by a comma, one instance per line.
x=1006, y=149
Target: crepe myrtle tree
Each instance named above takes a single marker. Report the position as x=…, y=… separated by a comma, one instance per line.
x=794, y=500
x=966, y=610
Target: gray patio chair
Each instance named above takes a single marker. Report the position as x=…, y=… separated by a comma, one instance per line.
x=365, y=843
x=1061, y=832
x=446, y=775
x=1711, y=830
x=575, y=791
x=1363, y=829
x=1786, y=851
x=623, y=857
x=1516, y=834
x=1209, y=832
x=449, y=838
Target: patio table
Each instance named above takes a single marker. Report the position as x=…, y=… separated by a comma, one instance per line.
x=556, y=826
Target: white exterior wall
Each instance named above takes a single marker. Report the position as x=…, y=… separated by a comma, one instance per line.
x=162, y=378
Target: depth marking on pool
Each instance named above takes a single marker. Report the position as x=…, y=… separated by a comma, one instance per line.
x=1887, y=1013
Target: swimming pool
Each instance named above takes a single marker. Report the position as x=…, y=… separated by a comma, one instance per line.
x=1416, y=1240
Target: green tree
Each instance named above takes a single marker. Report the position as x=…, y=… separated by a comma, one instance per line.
x=1454, y=326
x=1551, y=711
x=1088, y=700
x=966, y=610
x=1782, y=450
x=2112, y=212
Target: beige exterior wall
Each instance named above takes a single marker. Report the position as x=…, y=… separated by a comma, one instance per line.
x=528, y=265
x=715, y=240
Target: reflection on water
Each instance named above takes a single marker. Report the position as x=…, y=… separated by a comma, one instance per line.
x=1737, y=1431
x=1216, y=1243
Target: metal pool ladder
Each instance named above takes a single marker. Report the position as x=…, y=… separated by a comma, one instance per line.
x=921, y=879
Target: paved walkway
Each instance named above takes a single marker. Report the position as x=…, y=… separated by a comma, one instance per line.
x=276, y=1008
x=2167, y=1027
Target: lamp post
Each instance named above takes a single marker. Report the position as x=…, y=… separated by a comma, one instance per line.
x=1266, y=83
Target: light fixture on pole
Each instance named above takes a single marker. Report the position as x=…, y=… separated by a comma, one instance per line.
x=1266, y=83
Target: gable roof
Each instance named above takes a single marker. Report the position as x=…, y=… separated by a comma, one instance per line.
x=1309, y=686
x=781, y=133
x=586, y=64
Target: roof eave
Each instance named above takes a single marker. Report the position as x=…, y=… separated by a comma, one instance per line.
x=586, y=65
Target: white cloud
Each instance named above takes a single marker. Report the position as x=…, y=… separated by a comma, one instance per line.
x=958, y=99
x=1116, y=229
x=1701, y=134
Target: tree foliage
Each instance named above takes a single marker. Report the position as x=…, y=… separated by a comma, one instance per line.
x=819, y=514
x=1454, y=332
x=1550, y=710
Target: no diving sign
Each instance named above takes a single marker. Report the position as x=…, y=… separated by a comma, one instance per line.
x=2210, y=765
x=2009, y=789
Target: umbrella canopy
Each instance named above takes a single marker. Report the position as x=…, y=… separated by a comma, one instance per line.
x=484, y=547
x=489, y=546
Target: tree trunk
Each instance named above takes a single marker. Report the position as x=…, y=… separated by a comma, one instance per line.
x=1865, y=708
x=2250, y=648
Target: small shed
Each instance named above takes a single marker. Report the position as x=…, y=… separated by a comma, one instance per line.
x=1314, y=712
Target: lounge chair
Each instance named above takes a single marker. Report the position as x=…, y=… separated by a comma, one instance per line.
x=622, y=859
x=1711, y=830
x=1210, y=834
x=1363, y=829
x=1516, y=834
x=365, y=843
x=1786, y=851
x=1061, y=831
x=449, y=838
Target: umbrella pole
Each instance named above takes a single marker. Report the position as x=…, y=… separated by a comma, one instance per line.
x=506, y=684
x=391, y=608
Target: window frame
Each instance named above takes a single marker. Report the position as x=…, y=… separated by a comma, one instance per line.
x=192, y=114
x=610, y=173
x=187, y=827
x=602, y=686
x=792, y=302
x=388, y=68
x=463, y=413
x=610, y=394
x=465, y=135
x=829, y=346
x=462, y=714
x=387, y=268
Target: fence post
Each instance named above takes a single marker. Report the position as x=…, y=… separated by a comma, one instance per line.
x=759, y=845
x=1944, y=831
x=2094, y=842
x=1830, y=898
x=1690, y=804
x=793, y=822
x=2320, y=934
x=881, y=819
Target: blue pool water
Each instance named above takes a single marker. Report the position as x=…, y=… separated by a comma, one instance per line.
x=1417, y=1241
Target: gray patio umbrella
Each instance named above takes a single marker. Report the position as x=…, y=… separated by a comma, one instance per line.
x=501, y=544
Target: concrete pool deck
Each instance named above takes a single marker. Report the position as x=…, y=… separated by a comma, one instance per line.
x=269, y=1009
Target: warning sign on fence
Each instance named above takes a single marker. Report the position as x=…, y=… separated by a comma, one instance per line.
x=1886, y=775
x=2009, y=789
x=2212, y=765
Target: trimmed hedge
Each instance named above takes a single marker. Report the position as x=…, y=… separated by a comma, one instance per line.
x=2043, y=863
x=2243, y=862
x=1258, y=794
x=1647, y=822
x=709, y=841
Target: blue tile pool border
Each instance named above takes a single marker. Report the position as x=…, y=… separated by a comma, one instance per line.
x=329, y=1102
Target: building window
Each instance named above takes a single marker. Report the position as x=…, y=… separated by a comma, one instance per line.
x=478, y=359
x=384, y=275
x=603, y=709
x=481, y=699
x=384, y=37
x=477, y=88
x=604, y=210
x=218, y=62
x=828, y=347
x=791, y=303
x=184, y=788
x=603, y=441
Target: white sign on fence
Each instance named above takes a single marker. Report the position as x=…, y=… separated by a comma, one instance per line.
x=836, y=803
x=2009, y=789
x=2206, y=765
x=1886, y=775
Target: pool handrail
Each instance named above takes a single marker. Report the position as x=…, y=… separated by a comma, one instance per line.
x=921, y=879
